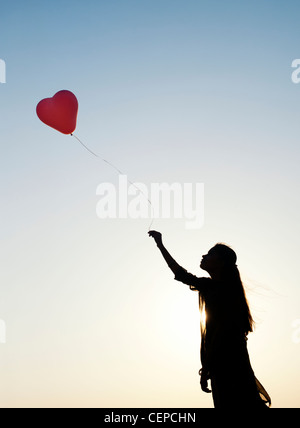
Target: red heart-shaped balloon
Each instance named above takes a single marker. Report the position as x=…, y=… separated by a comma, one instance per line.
x=59, y=112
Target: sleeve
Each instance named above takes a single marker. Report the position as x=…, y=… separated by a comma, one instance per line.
x=195, y=283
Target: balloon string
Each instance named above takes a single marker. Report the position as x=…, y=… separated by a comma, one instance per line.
x=120, y=172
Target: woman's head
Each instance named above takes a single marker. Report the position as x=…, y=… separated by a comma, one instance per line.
x=220, y=263
x=219, y=260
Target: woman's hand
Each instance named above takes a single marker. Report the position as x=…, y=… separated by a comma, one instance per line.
x=157, y=236
x=204, y=381
x=173, y=265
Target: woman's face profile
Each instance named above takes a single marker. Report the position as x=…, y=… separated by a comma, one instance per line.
x=210, y=262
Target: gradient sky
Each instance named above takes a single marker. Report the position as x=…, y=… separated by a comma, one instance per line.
x=169, y=91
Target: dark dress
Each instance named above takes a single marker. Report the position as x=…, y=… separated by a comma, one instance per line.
x=224, y=353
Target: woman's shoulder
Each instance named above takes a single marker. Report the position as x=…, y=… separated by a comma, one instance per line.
x=196, y=283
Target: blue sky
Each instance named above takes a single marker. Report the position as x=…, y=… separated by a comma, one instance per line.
x=187, y=91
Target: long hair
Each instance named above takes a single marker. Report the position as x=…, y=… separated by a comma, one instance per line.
x=234, y=288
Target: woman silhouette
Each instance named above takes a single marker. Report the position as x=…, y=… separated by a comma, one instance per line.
x=224, y=354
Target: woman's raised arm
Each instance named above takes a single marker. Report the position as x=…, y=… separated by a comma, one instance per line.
x=173, y=265
x=195, y=283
